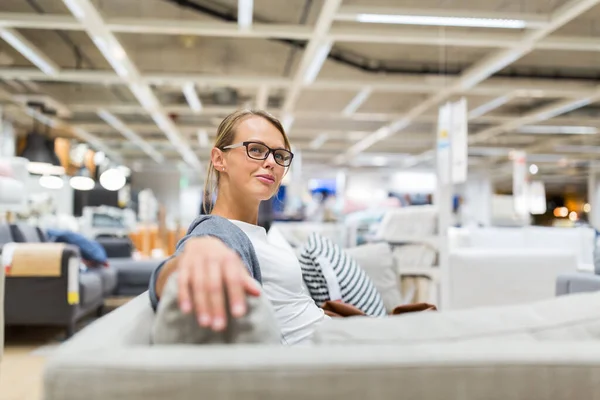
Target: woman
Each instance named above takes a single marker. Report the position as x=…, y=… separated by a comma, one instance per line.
x=226, y=251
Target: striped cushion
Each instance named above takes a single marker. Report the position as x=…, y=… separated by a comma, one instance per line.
x=330, y=274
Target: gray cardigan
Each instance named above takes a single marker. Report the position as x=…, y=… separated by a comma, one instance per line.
x=221, y=228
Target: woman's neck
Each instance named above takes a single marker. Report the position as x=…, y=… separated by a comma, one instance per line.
x=235, y=207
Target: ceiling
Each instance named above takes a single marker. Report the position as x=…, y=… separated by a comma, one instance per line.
x=126, y=76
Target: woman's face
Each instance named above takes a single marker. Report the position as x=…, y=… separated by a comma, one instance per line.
x=259, y=179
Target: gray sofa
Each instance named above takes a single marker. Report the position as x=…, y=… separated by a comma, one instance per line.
x=132, y=276
x=43, y=300
x=577, y=282
x=543, y=350
x=546, y=350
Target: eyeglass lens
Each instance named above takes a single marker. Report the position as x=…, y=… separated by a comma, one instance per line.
x=259, y=152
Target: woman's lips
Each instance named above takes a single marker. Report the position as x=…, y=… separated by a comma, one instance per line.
x=269, y=180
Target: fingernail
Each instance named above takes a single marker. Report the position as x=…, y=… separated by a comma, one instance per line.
x=204, y=320
x=218, y=324
x=238, y=310
x=186, y=307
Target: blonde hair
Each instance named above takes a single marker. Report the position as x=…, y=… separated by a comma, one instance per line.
x=225, y=137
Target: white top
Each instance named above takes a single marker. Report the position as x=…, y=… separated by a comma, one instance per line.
x=296, y=312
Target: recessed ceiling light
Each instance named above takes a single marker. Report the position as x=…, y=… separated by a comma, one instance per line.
x=558, y=130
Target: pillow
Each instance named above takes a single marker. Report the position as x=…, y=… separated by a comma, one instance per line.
x=330, y=274
x=377, y=260
x=171, y=326
x=90, y=249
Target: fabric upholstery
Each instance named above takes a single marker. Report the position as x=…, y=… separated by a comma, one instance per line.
x=115, y=349
x=90, y=250
x=573, y=317
x=329, y=272
x=109, y=276
x=90, y=287
x=5, y=235
x=577, y=282
x=377, y=261
x=133, y=276
x=116, y=247
x=494, y=277
x=25, y=233
x=171, y=326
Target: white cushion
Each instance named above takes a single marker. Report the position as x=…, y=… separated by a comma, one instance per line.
x=482, y=277
x=377, y=261
x=574, y=317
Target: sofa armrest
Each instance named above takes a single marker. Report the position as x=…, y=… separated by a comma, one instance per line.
x=128, y=325
x=59, y=262
x=507, y=370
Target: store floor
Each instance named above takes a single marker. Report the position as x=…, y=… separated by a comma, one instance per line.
x=25, y=353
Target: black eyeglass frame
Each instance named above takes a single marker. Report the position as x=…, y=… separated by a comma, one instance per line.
x=269, y=151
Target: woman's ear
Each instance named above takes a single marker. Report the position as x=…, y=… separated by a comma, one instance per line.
x=217, y=158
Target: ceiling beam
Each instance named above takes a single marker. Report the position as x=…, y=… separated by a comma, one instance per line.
x=398, y=83
x=312, y=58
x=128, y=133
x=359, y=34
x=115, y=54
x=477, y=73
x=30, y=51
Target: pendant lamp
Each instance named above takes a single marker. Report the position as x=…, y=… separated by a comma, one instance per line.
x=39, y=150
x=82, y=180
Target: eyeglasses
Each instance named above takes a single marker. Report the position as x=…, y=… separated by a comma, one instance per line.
x=260, y=151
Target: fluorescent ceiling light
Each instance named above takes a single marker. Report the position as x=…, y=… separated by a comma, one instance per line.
x=319, y=141
x=28, y=51
x=489, y=106
x=357, y=101
x=558, y=130
x=75, y=8
x=203, y=140
x=189, y=91
x=317, y=62
x=245, y=13
x=287, y=122
x=563, y=109
x=379, y=161
x=441, y=21
x=118, y=125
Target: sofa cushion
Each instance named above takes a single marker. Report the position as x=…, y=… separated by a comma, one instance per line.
x=5, y=235
x=377, y=261
x=573, y=317
x=171, y=326
x=108, y=275
x=90, y=287
x=133, y=272
x=331, y=274
x=25, y=233
x=90, y=250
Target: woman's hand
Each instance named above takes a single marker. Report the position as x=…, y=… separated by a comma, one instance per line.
x=207, y=268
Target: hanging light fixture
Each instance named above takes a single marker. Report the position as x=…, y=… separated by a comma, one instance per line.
x=39, y=149
x=113, y=179
x=51, y=182
x=82, y=180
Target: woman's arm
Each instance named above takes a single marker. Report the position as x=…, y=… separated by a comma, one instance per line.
x=212, y=258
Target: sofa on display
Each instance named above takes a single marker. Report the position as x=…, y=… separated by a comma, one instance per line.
x=545, y=349
x=41, y=298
